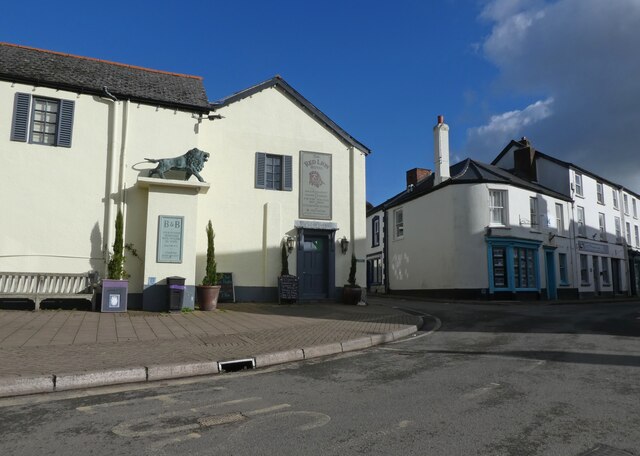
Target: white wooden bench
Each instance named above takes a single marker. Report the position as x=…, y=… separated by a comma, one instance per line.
x=38, y=286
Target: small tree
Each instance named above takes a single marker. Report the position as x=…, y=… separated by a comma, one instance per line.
x=211, y=276
x=115, y=267
x=285, y=260
x=352, y=271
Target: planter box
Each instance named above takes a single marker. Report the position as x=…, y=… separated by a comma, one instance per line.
x=114, y=295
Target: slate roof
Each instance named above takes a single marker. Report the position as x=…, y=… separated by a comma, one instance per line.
x=87, y=75
x=467, y=172
x=280, y=83
x=565, y=164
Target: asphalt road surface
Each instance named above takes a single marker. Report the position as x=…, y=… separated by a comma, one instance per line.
x=490, y=380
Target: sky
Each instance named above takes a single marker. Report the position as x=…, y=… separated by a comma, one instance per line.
x=563, y=73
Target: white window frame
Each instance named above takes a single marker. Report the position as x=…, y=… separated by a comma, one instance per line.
x=398, y=223
x=501, y=210
x=637, y=233
x=628, y=232
x=375, y=231
x=577, y=179
x=600, y=192
x=602, y=225
x=625, y=200
x=562, y=269
x=618, y=225
x=533, y=212
x=560, y=218
x=635, y=207
x=614, y=193
x=582, y=227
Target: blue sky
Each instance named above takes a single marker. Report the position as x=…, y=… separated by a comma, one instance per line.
x=561, y=72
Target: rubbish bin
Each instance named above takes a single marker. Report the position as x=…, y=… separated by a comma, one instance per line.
x=176, y=293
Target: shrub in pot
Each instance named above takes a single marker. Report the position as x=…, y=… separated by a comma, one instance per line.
x=207, y=293
x=352, y=292
x=116, y=286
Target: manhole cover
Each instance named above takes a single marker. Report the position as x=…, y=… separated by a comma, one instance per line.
x=605, y=450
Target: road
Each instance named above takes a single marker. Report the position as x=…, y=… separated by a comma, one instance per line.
x=499, y=379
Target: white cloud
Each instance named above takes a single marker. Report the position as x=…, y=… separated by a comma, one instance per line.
x=579, y=58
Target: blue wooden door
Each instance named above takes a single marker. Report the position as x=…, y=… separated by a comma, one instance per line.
x=314, y=267
x=552, y=286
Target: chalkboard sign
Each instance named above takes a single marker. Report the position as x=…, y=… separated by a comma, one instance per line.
x=227, y=292
x=288, y=288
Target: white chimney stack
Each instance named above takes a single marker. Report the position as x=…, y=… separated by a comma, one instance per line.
x=441, y=151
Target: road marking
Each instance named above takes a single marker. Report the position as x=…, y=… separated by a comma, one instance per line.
x=267, y=410
x=125, y=429
x=163, y=443
x=404, y=423
x=217, y=420
x=480, y=391
x=168, y=399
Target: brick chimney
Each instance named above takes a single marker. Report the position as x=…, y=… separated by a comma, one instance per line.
x=441, y=151
x=523, y=161
x=416, y=175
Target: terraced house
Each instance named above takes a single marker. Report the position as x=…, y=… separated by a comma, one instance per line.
x=526, y=226
x=75, y=136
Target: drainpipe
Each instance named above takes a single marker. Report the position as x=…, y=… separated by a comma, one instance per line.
x=123, y=154
x=352, y=214
x=109, y=219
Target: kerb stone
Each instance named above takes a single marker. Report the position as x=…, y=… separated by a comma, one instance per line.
x=100, y=378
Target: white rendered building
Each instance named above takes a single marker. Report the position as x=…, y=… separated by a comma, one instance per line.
x=75, y=133
x=604, y=221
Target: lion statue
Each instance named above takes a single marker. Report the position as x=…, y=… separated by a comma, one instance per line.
x=192, y=163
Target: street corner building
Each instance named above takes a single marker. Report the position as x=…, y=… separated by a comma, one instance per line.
x=526, y=226
x=83, y=138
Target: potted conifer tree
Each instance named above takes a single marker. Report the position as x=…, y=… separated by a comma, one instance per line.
x=207, y=293
x=352, y=292
x=116, y=286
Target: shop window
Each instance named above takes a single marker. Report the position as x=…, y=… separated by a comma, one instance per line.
x=584, y=269
x=513, y=265
x=605, y=270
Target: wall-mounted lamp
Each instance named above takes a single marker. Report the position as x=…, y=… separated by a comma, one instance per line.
x=290, y=242
x=344, y=245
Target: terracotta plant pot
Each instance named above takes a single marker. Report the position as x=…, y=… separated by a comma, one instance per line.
x=351, y=294
x=207, y=297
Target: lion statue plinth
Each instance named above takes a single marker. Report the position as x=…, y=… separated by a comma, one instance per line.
x=191, y=163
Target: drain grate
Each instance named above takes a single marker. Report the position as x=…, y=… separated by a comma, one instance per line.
x=236, y=365
x=605, y=450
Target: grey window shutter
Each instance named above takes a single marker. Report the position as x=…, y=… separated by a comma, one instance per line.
x=65, y=125
x=19, y=128
x=260, y=170
x=287, y=171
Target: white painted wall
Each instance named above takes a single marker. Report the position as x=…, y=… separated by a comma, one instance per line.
x=56, y=197
x=53, y=197
x=444, y=244
x=250, y=223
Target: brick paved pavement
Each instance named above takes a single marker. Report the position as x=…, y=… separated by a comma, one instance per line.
x=58, y=341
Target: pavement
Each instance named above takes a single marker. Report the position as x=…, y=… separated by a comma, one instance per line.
x=57, y=350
